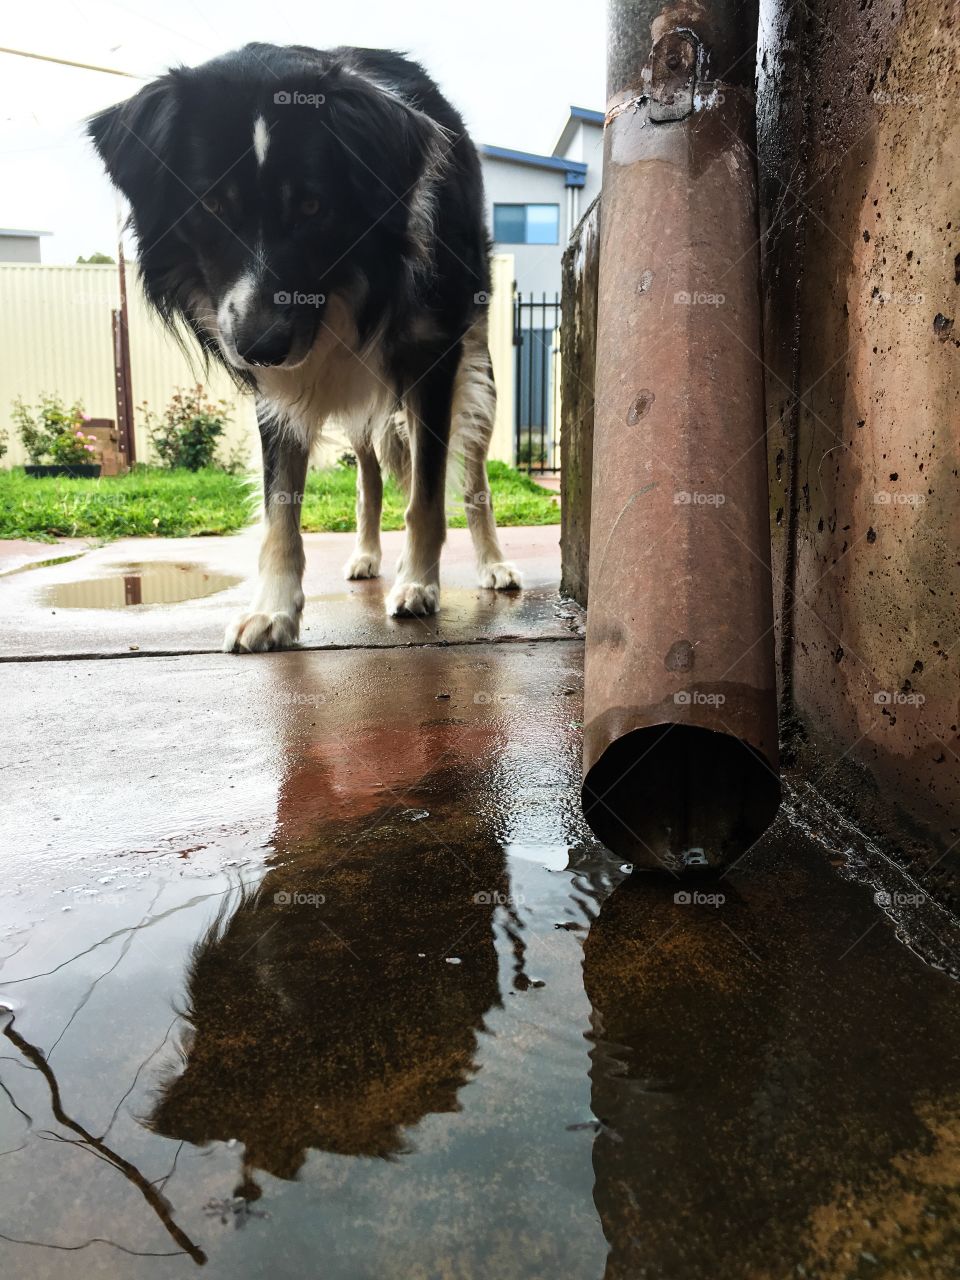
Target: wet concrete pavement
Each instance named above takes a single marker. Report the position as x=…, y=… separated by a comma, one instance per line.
x=314, y=969
x=83, y=607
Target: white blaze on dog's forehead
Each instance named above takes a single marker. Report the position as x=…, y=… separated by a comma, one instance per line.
x=261, y=139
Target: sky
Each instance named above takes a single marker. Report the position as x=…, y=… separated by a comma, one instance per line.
x=512, y=68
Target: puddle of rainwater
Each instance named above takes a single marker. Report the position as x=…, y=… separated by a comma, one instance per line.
x=436, y=1030
x=134, y=584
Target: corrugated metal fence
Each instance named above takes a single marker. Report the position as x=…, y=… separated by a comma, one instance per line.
x=55, y=336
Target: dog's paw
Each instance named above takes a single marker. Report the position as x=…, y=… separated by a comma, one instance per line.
x=363, y=564
x=413, y=599
x=258, y=632
x=501, y=576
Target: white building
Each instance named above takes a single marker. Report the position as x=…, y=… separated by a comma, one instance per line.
x=533, y=205
x=534, y=202
x=20, y=246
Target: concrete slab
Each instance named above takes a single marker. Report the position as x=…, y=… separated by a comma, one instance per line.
x=316, y=945
x=97, y=605
x=17, y=553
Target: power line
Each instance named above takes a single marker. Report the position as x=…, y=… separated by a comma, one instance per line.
x=67, y=62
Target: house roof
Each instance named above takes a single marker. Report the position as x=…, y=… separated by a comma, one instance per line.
x=578, y=115
x=533, y=161
x=584, y=113
x=574, y=171
x=25, y=235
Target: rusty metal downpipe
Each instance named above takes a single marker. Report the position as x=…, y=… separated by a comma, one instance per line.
x=680, y=716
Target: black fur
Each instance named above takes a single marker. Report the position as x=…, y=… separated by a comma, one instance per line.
x=360, y=152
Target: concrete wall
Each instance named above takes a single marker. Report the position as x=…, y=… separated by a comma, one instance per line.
x=859, y=144
x=578, y=338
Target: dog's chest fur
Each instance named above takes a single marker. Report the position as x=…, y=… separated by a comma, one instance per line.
x=339, y=381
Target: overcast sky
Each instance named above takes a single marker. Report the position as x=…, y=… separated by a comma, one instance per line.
x=512, y=67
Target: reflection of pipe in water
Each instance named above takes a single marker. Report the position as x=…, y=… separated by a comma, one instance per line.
x=149, y=1192
x=680, y=725
x=753, y=1093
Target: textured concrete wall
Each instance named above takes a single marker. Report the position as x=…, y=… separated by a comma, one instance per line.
x=578, y=339
x=859, y=145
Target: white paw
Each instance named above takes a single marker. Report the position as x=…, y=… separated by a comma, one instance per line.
x=409, y=599
x=363, y=564
x=501, y=576
x=258, y=632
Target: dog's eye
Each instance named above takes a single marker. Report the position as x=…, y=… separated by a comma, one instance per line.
x=212, y=204
x=309, y=207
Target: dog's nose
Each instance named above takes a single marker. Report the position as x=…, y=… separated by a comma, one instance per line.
x=267, y=349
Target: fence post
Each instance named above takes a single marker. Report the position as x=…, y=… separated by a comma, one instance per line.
x=121, y=368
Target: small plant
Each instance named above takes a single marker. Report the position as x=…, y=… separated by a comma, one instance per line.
x=186, y=434
x=70, y=449
x=4, y=437
x=237, y=461
x=530, y=453
x=54, y=431
x=347, y=460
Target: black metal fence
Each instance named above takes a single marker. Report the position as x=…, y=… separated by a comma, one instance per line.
x=536, y=340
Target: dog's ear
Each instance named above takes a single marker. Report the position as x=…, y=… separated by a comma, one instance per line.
x=131, y=138
x=388, y=144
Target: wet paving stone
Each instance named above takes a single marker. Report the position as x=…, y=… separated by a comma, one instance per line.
x=313, y=968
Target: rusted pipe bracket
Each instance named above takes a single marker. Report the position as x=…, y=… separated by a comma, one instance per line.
x=671, y=74
x=671, y=79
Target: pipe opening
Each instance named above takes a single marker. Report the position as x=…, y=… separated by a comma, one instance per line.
x=677, y=796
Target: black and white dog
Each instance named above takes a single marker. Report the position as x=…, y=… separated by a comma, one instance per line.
x=317, y=220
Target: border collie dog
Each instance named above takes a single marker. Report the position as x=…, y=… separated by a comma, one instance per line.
x=316, y=219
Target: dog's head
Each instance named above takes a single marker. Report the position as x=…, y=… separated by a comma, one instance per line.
x=263, y=183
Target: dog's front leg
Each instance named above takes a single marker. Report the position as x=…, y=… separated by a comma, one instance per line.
x=417, y=588
x=365, y=560
x=273, y=620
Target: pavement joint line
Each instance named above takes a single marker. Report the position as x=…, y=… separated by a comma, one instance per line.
x=320, y=648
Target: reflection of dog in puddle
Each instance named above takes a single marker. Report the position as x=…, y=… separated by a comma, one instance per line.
x=338, y=1004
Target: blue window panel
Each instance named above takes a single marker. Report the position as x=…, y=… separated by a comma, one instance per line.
x=526, y=223
x=543, y=223
x=510, y=223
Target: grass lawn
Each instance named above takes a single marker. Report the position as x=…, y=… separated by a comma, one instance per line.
x=175, y=504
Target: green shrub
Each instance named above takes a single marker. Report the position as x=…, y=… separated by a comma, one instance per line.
x=188, y=431
x=54, y=431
